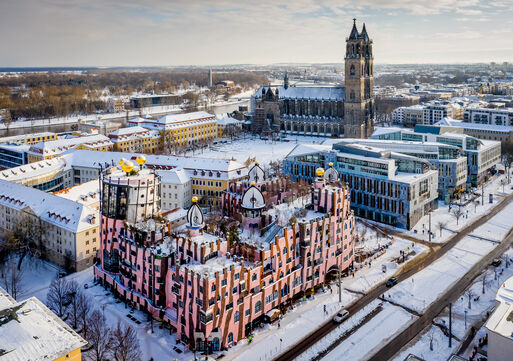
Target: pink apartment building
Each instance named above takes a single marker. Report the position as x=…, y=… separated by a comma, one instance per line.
x=212, y=291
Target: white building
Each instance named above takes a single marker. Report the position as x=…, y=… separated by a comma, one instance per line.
x=176, y=189
x=500, y=324
x=68, y=230
x=491, y=116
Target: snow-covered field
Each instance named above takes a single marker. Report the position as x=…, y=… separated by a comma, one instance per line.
x=264, y=151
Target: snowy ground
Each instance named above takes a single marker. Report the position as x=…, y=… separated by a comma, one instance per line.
x=371, y=335
x=264, y=151
x=38, y=275
x=420, y=290
x=477, y=312
x=471, y=212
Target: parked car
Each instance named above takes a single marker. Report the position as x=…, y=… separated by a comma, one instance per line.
x=496, y=262
x=391, y=282
x=341, y=316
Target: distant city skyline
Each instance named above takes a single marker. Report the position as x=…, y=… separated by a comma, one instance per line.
x=169, y=33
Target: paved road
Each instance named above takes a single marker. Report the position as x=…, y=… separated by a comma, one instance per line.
x=395, y=345
x=450, y=295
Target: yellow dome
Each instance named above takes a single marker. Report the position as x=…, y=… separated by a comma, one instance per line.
x=194, y=199
x=121, y=161
x=127, y=167
x=256, y=163
x=330, y=164
x=253, y=183
x=319, y=172
x=141, y=159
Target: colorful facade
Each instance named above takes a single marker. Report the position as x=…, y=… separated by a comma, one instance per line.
x=135, y=139
x=212, y=290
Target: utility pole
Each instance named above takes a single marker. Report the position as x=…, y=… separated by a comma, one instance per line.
x=450, y=325
x=429, y=224
x=339, y=285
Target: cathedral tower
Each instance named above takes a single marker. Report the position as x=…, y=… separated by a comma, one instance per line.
x=359, y=107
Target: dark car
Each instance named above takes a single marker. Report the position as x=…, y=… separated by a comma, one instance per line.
x=391, y=282
x=496, y=262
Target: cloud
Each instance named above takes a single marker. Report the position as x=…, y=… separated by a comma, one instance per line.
x=172, y=32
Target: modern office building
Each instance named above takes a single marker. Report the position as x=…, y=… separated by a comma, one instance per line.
x=385, y=186
x=426, y=113
x=501, y=133
x=482, y=155
x=448, y=160
x=491, y=116
x=209, y=289
x=30, y=331
x=13, y=155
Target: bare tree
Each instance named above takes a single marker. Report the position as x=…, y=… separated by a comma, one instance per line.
x=84, y=309
x=57, y=297
x=73, y=299
x=469, y=293
x=457, y=213
x=98, y=337
x=125, y=345
x=12, y=278
x=441, y=225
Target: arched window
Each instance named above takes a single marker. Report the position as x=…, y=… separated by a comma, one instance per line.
x=258, y=306
x=351, y=70
x=230, y=337
x=351, y=95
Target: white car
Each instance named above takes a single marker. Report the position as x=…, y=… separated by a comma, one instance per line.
x=341, y=316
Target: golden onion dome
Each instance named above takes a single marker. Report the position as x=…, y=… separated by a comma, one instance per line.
x=127, y=167
x=319, y=172
x=194, y=199
x=121, y=161
x=330, y=164
x=141, y=159
x=253, y=183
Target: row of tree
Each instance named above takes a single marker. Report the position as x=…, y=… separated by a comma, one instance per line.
x=68, y=301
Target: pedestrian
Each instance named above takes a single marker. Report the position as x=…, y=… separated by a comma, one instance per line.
x=279, y=324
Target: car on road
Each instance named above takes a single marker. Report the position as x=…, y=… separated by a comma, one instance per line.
x=496, y=262
x=341, y=316
x=391, y=282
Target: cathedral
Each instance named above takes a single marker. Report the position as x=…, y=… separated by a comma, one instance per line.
x=330, y=111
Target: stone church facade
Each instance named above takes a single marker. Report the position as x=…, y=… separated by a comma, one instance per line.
x=330, y=111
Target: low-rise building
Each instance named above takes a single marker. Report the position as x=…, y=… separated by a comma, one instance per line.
x=30, y=331
x=31, y=138
x=228, y=127
x=135, y=139
x=181, y=129
x=176, y=191
x=13, y=155
x=491, y=116
x=500, y=324
x=51, y=149
x=66, y=232
x=501, y=133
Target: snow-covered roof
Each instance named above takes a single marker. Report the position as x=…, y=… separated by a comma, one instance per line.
x=53, y=147
x=128, y=131
x=87, y=193
x=30, y=331
x=62, y=212
x=35, y=170
x=501, y=320
x=209, y=268
x=307, y=92
x=228, y=120
x=476, y=126
x=173, y=176
x=22, y=138
x=387, y=130
x=5, y=299
x=304, y=149
x=227, y=169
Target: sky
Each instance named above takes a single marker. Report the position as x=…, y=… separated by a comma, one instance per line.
x=215, y=32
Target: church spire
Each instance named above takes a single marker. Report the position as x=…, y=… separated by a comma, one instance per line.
x=354, y=31
x=363, y=34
